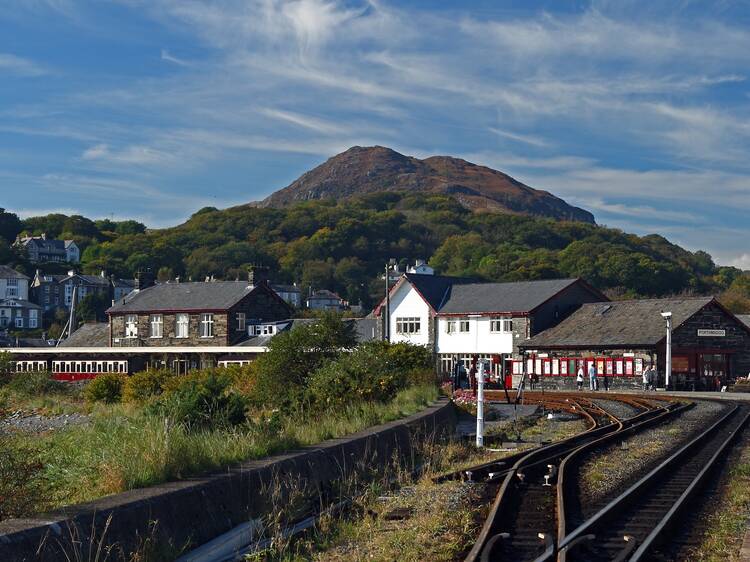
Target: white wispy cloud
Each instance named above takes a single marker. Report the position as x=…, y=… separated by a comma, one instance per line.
x=13, y=64
x=167, y=56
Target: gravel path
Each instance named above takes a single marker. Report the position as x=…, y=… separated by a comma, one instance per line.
x=606, y=473
x=37, y=423
x=620, y=410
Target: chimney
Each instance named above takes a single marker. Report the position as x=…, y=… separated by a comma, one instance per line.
x=144, y=280
x=257, y=275
x=71, y=272
x=102, y=274
x=44, y=235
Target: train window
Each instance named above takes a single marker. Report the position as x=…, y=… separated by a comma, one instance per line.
x=98, y=366
x=68, y=366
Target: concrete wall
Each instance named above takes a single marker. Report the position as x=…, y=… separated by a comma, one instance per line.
x=196, y=510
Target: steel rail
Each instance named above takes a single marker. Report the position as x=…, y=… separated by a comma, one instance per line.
x=486, y=540
x=569, y=461
x=638, y=490
x=553, y=450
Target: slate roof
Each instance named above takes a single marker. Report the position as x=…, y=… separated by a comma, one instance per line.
x=89, y=335
x=7, y=272
x=213, y=295
x=19, y=303
x=620, y=324
x=521, y=296
x=744, y=318
x=434, y=288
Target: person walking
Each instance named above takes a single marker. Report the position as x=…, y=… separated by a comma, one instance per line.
x=579, y=378
x=593, y=383
x=646, y=378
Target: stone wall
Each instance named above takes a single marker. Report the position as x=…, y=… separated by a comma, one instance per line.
x=197, y=510
x=168, y=332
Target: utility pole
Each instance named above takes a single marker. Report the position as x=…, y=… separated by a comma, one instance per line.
x=668, y=363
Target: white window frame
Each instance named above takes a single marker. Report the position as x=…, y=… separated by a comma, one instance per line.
x=501, y=325
x=131, y=326
x=19, y=321
x=507, y=325
x=464, y=326
x=450, y=327
x=182, y=325
x=408, y=325
x=156, y=326
x=241, y=321
x=206, y=326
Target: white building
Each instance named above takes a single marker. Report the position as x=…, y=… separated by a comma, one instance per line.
x=460, y=318
x=13, y=285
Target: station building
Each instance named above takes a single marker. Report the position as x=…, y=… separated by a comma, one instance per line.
x=459, y=318
x=710, y=346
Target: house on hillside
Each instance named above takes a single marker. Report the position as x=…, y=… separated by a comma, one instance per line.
x=85, y=285
x=459, y=318
x=13, y=284
x=325, y=300
x=710, y=346
x=19, y=314
x=212, y=313
x=290, y=293
x=42, y=249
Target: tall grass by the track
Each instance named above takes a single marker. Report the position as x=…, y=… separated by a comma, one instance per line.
x=124, y=449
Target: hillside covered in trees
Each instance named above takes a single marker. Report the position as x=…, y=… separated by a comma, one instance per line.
x=344, y=245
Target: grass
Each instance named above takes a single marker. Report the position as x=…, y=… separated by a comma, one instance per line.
x=726, y=526
x=122, y=448
x=440, y=521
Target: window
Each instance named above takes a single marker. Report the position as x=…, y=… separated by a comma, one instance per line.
x=182, y=326
x=33, y=319
x=241, y=322
x=408, y=326
x=131, y=326
x=19, y=322
x=450, y=326
x=157, y=324
x=207, y=326
x=267, y=330
x=501, y=325
x=12, y=288
x=463, y=326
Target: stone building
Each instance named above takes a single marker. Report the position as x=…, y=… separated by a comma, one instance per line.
x=42, y=249
x=710, y=346
x=212, y=313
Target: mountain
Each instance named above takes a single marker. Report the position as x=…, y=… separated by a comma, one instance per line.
x=373, y=169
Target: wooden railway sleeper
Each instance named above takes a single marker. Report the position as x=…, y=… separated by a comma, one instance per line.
x=575, y=543
x=549, y=550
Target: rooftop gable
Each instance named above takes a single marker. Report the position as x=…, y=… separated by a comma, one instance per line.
x=513, y=297
x=630, y=323
x=7, y=272
x=193, y=296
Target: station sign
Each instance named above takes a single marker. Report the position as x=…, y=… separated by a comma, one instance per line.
x=712, y=333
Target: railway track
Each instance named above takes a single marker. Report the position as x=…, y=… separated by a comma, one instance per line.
x=536, y=513
x=633, y=524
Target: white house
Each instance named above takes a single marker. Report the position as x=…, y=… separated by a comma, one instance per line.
x=13, y=285
x=459, y=318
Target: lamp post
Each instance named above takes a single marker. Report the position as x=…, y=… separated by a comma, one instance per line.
x=387, y=315
x=668, y=366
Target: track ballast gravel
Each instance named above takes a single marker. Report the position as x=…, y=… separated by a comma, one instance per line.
x=606, y=473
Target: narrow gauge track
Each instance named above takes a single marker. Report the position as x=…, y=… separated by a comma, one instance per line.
x=633, y=524
x=521, y=523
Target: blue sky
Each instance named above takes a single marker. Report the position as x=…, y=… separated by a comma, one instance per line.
x=637, y=111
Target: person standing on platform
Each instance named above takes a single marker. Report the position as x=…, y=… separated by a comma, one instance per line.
x=646, y=378
x=579, y=378
x=593, y=383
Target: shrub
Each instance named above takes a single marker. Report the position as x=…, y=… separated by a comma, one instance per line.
x=374, y=371
x=105, y=388
x=144, y=385
x=283, y=372
x=202, y=400
x=35, y=384
x=22, y=488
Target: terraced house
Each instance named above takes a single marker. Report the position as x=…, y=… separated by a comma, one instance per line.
x=212, y=313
